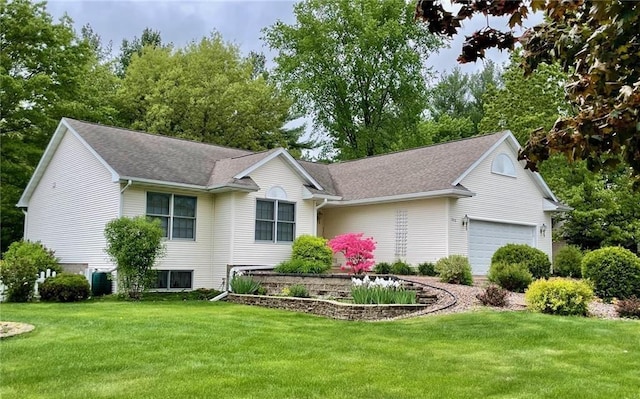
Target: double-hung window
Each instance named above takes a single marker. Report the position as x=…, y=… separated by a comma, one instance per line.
x=275, y=221
x=177, y=214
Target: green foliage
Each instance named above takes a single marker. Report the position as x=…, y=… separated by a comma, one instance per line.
x=200, y=294
x=382, y=268
x=524, y=104
x=568, y=262
x=302, y=266
x=559, y=296
x=402, y=268
x=454, y=269
x=149, y=38
x=205, y=92
x=298, y=291
x=313, y=249
x=64, y=287
x=20, y=267
x=629, y=308
x=381, y=295
x=34, y=253
x=45, y=66
x=493, y=296
x=537, y=261
x=606, y=211
x=459, y=98
x=245, y=285
x=134, y=245
x=514, y=277
x=614, y=272
x=357, y=67
x=427, y=269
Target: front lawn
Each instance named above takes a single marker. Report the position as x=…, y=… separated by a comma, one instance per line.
x=222, y=350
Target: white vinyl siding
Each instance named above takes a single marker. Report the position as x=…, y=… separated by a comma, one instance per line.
x=499, y=198
x=424, y=230
x=246, y=250
x=183, y=254
x=71, y=205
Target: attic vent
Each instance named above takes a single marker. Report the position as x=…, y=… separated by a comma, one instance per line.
x=402, y=228
x=277, y=192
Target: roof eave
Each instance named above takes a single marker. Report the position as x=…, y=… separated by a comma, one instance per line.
x=446, y=193
x=554, y=206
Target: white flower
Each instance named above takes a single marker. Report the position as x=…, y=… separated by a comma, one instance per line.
x=356, y=281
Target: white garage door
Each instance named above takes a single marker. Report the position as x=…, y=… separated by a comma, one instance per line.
x=486, y=237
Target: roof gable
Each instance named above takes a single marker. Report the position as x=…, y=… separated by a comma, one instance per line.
x=63, y=128
x=509, y=138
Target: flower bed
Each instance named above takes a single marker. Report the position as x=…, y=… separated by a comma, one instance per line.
x=325, y=289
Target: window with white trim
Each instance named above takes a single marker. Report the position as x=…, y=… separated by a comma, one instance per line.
x=176, y=213
x=174, y=280
x=503, y=165
x=275, y=221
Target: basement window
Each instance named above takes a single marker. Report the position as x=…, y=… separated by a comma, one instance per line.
x=174, y=280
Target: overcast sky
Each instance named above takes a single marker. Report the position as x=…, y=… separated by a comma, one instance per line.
x=239, y=21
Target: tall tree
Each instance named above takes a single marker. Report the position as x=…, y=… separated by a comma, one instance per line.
x=524, y=104
x=460, y=97
x=356, y=66
x=46, y=72
x=206, y=92
x=596, y=42
x=129, y=48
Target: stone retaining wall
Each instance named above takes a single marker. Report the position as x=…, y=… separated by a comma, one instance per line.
x=327, y=308
x=318, y=285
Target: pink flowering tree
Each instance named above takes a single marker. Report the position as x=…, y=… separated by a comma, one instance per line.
x=358, y=251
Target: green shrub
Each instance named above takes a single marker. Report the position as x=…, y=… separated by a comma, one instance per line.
x=314, y=249
x=402, y=268
x=559, y=296
x=200, y=294
x=65, y=287
x=537, y=261
x=245, y=285
x=514, y=277
x=614, y=272
x=629, y=308
x=134, y=244
x=493, y=296
x=568, y=262
x=382, y=268
x=302, y=266
x=454, y=269
x=22, y=263
x=299, y=291
x=427, y=269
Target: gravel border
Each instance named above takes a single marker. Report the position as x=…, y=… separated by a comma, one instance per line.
x=455, y=298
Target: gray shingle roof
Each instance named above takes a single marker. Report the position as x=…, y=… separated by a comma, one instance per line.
x=146, y=156
x=423, y=169
x=141, y=155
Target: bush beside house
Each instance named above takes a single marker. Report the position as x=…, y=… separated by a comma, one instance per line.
x=536, y=261
x=613, y=271
x=22, y=263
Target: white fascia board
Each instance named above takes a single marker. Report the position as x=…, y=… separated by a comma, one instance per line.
x=549, y=206
x=507, y=135
x=306, y=194
x=406, y=197
x=115, y=177
x=56, y=139
x=152, y=182
x=292, y=162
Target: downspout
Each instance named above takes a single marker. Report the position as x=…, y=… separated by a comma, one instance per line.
x=26, y=221
x=315, y=219
x=232, y=272
x=129, y=183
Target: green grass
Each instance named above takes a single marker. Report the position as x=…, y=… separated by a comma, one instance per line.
x=221, y=350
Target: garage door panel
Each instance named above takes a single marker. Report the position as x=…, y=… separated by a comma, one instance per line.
x=486, y=237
